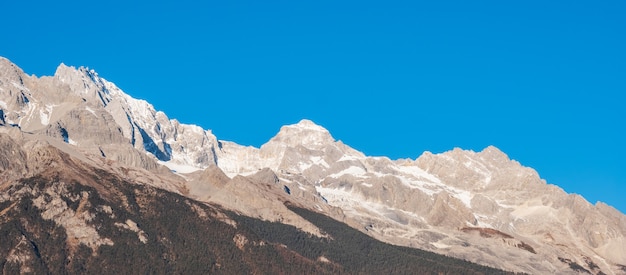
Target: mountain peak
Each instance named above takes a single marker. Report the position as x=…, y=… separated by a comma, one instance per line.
x=66, y=73
x=305, y=132
x=308, y=125
x=494, y=153
x=62, y=67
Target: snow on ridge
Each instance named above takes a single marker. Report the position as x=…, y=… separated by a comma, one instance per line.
x=352, y=170
x=464, y=196
x=314, y=160
x=347, y=157
x=179, y=168
x=417, y=172
x=307, y=125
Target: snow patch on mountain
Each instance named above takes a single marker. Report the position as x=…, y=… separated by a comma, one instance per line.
x=179, y=168
x=352, y=170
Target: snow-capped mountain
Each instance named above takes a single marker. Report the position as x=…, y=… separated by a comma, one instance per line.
x=479, y=206
x=86, y=110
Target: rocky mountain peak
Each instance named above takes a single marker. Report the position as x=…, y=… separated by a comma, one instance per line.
x=493, y=153
x=305, y=133
x=65, y=73
x=308, y=124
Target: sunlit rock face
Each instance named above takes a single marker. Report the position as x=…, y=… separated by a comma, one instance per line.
x=79, y=107
x=480, y=206
x=440, y=201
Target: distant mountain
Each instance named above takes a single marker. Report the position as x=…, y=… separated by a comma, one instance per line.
x=95, y=167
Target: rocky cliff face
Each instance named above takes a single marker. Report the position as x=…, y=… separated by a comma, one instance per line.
x=479, y=206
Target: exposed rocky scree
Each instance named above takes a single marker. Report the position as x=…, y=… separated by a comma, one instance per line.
x=478, y=206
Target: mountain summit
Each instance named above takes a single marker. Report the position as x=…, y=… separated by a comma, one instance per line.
x=78, y=127
x=305, y=133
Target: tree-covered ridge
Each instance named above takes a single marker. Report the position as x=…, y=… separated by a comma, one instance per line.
x=182, y=236
x=358, y=253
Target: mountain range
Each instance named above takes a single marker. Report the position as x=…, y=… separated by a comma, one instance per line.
x=86, y=167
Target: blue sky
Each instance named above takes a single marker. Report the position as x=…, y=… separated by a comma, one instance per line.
x=542, y=80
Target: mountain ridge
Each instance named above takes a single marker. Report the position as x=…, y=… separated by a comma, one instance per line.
x=478, y=206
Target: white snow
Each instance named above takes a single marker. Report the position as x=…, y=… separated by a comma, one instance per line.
x=417, y=172
x=352, y=170
x=179, y=168
x=347, y=157
x=3, y=105
x=44, y=114
x=308, y=125
x=44, y=117
x=320, y=161
x=70, y=141
x=478, y=168
x=430, y=184
x=303, y=166
x=315, y=160
x=463, y=196
x=90, y=110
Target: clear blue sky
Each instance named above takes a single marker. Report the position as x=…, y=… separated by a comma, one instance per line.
x=545, y=81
